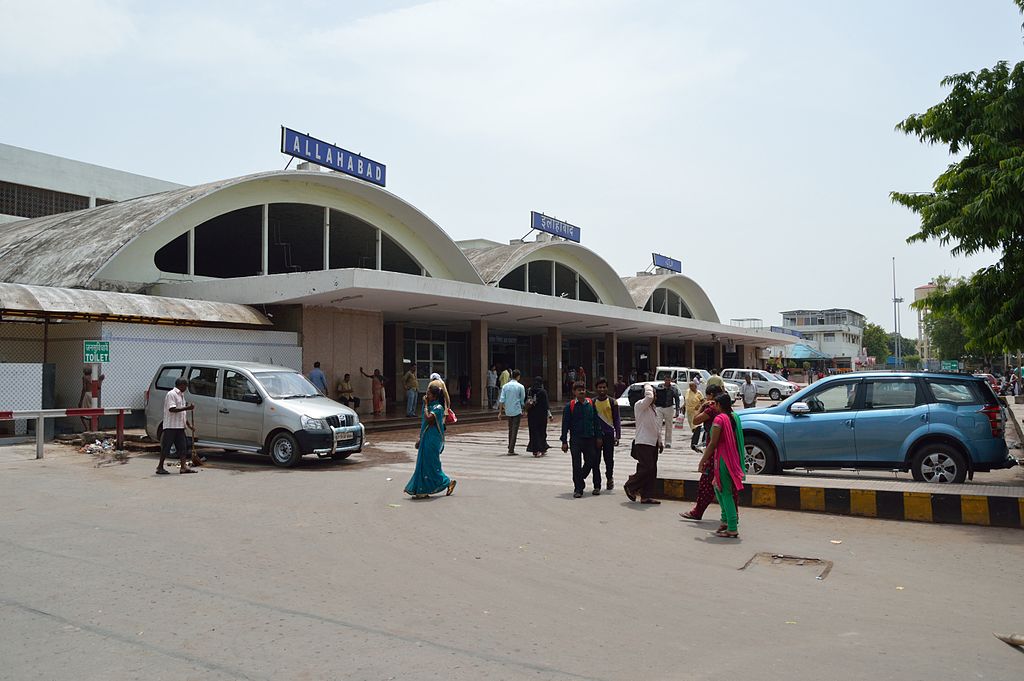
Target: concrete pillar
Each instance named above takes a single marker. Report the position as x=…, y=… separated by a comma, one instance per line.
x=654, y=352
x=397, y=394
x=689, y=355
x=478, y=361
x=629, y=351
x=553, y=364
x=588, y=355
x=741, y=357
x=611, y=358
x=718, y=356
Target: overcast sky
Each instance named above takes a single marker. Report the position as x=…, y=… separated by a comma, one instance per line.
x=753, y=141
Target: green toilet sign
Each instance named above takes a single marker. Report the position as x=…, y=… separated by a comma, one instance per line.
x=96, y=352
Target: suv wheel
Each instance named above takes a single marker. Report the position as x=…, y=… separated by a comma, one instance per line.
x=938, y=463
x=284, y=450
x=760, y=456
x=774, y=394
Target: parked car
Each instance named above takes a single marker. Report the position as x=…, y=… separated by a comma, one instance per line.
x=992, y=380
x=683, y=375
x=941, y=427
x=257, y=408
x=775, y=387
x=636, y=392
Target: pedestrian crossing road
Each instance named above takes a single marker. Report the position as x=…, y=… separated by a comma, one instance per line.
x=479, y=453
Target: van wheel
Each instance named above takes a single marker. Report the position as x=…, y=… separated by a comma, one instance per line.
x=284, y=450
x=760, y=455
x=939, y=463
x=774, y=394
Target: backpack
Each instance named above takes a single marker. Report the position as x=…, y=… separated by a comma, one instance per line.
x=586, y=400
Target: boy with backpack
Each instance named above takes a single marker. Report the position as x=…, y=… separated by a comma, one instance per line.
x=581, y=434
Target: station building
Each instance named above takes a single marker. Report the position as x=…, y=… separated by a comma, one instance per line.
x=303, y=265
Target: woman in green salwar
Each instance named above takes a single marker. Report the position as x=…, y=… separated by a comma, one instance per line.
x=428, y=478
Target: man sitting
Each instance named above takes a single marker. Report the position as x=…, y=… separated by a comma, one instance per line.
x=346, y=395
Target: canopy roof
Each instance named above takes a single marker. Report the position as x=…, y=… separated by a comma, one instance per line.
x=803, y=351
x=22, y=301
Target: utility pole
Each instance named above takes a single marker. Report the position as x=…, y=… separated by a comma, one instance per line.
x=896, y=341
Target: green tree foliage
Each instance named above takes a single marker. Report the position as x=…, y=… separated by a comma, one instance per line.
x=876, y=340
x=977, y=204
x=950, y=331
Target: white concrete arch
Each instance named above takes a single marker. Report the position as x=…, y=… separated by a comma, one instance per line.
x=417, y=234
x=494, y=263
x=694, y=297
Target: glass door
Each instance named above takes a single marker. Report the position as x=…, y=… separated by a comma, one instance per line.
x=430, y=358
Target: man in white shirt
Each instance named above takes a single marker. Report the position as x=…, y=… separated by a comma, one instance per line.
x=647, y=446
x=175, y=407
x=492, y=388
x=748, y=391
x=511, y=404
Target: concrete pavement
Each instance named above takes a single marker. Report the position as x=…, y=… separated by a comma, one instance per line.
x=245, y=571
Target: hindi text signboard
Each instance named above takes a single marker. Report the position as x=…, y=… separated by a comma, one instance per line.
x=96, y=352
x=542, y=223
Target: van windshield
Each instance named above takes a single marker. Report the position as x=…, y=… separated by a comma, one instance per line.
x=663, y=374
x=285, y=385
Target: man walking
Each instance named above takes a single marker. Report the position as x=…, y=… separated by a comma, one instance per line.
x=748, y=391
x=666, y=399
x=412, y=390
x=692, y=402
x=173, y=434
x=611, y=427
x=581, y=435
x=646, y=448
x=317, y=378
x=511, y=404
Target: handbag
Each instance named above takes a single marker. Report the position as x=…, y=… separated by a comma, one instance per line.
x=450, y=417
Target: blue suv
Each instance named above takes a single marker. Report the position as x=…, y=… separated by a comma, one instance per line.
x=940, y=427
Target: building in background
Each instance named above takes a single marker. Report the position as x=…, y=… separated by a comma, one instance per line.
x=34, y=184
x=836, y=334
x=924, y=345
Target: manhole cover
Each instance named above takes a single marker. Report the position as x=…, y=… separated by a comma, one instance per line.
x=822, y=567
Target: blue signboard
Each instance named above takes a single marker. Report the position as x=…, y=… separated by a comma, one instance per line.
x=666, y=262
x=543, y=223
x=329, y=156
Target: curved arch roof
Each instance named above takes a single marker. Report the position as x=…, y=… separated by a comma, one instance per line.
x=641, y=289
x=74, y=249
x=494, y=263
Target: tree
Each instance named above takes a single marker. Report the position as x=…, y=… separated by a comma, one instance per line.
x=977, y=204
x=876, y=340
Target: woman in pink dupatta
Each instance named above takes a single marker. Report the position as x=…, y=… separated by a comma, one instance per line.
x=727, y=468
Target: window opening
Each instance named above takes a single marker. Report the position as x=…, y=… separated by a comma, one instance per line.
x=296, y=238
x=230, y=245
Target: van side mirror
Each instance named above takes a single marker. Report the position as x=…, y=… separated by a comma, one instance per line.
x=252, y=398
x=799, y=408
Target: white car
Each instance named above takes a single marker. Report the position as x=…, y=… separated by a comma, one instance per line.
x=626, y=408
x=775, y=387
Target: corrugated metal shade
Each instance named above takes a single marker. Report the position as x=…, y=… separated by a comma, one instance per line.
x=22, y=301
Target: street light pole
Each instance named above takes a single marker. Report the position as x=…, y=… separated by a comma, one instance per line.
x=897, y=345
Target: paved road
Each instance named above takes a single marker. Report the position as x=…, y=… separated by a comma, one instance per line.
x=328, y=571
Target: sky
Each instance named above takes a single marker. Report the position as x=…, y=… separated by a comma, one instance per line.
x=753, y=141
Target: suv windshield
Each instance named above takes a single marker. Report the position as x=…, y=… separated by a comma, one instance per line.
x=663, y=374
x=286, y=384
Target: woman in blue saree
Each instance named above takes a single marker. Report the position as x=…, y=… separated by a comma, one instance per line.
x=428, y=478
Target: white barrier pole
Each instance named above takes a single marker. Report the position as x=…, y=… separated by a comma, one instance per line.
x=40, y=431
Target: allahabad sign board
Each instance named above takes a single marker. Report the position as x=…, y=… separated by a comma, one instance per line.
x=330, y=156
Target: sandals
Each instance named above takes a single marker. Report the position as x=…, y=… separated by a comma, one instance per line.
x=726, y=534
x=688, y=515
x=451, y=488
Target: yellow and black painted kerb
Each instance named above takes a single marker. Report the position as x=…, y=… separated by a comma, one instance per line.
x=892, y=505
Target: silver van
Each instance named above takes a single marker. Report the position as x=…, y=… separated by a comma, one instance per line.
x=257, y=408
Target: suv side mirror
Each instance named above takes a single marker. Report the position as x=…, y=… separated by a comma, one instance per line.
x=252, y=398
x=799, y=408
